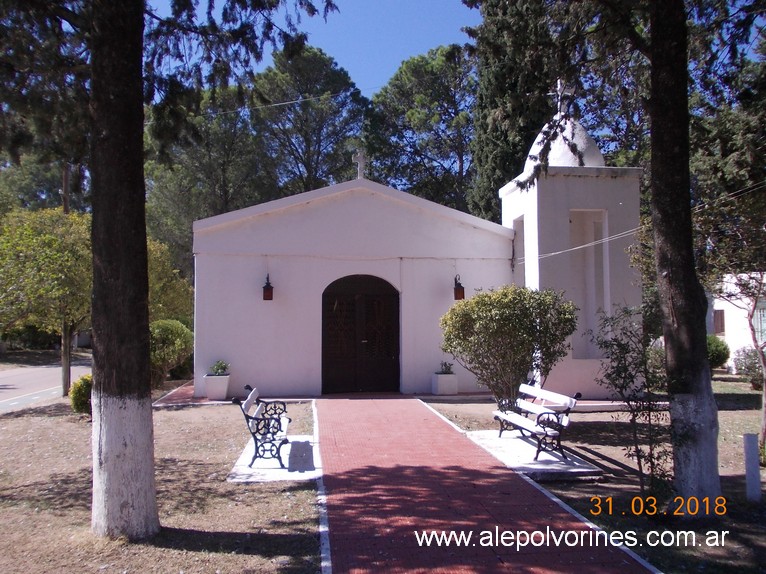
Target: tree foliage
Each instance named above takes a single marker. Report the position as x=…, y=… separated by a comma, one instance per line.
x=631, y=371
x=46, y=268
x=730, y=166
x=421, y=127
x=105, y=42
x=33, y=183
x=310, y=121
x=46, y=274
x=44, y=79
x=506, y=335
x=717, y=352
x=220, y=167
x=170, y=344
x=171, y=296
x=517, y=57
x=79, y=395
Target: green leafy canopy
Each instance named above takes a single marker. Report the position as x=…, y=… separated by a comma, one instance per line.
x=503, y=335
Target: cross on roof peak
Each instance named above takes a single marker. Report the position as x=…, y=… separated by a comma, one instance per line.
x=361, y=162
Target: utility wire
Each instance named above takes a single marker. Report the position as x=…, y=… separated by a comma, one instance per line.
x=728, y=197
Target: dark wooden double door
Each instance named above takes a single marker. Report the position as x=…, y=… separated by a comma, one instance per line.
x=360, y=336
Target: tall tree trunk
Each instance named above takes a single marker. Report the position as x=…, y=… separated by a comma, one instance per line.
x=124, y=492
x=693, y=412
x=66, y=357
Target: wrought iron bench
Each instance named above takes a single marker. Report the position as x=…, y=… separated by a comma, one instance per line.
x=551, y=416
x=269, y=432
x=271, y=408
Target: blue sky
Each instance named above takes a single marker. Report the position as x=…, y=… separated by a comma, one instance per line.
x=371, y=38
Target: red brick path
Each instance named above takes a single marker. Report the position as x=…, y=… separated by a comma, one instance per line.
x=392, y=467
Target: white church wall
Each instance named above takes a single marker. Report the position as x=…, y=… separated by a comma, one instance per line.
x=520, y=213
x=427, y=295
x=583, y=205
x=572, y=376
x=565, y=209
x=306, y=245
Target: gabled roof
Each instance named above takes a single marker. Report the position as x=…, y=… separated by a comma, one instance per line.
x=333, y=191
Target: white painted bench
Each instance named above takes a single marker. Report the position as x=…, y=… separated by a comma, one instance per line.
x=269, y=432
x=548, y=400
x=551, y=416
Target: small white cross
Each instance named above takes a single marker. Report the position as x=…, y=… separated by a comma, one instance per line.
x=361, y=162
x=564, y=96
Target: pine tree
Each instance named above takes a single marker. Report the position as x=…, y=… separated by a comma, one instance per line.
x=421, y=127
x=512, y=103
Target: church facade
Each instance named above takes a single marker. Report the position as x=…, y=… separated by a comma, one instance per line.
x=341, y=289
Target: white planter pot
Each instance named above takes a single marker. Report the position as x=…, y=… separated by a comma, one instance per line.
x=444, y=384
x=217, y=387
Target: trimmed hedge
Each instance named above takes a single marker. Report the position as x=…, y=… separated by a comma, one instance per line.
x=79, y=394
x=717, y=352
x=170, y=344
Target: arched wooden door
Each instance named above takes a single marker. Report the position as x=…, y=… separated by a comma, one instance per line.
x=360, y=336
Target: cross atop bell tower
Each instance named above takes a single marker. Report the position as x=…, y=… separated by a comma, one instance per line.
x=564, y=96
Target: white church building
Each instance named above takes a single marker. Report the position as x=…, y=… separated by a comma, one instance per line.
x=341, y=289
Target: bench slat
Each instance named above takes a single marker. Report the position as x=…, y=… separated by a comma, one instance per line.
x=533, y=408
x=559, y=401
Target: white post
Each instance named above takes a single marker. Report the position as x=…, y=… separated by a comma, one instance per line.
x=752, y=468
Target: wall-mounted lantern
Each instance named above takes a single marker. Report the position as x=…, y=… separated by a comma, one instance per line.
x=268, y=290
x=459, y=290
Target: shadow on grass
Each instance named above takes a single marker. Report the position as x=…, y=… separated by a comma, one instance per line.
x=613, y=433
x=298, y=550
x=190, y=486
x=57, y=493
x=60, y=409
x=292, y=546
x=43, y=358
x=608, y=464
x=741, y=551
x=738, y=401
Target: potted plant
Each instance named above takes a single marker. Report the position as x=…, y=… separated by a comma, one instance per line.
x=444, y=381
x=217, y=381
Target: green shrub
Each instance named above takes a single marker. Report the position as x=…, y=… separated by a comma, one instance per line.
x=183, y=371
x=170, y=343
x=747, y=365
x=634, y=372
x=79, y=394
x=504, y=334
x=717, y=352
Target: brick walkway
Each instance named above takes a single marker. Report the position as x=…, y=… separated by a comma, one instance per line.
x=392, y=467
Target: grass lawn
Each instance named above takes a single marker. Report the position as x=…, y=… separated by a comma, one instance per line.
x=601, y=438
x=210, y=525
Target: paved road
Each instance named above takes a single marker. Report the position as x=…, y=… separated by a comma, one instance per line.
x=27, y=386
